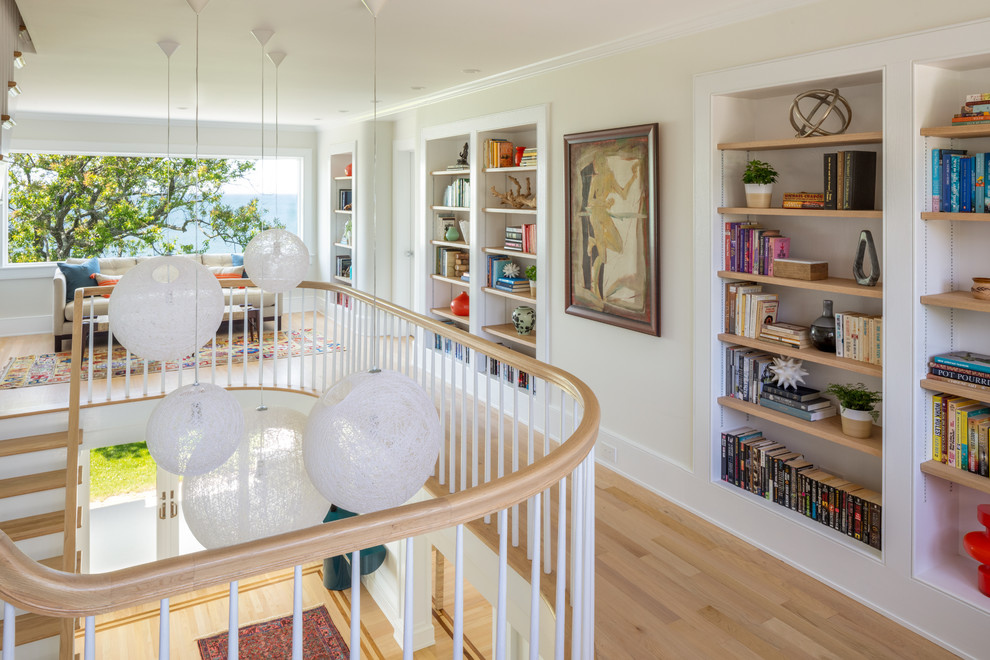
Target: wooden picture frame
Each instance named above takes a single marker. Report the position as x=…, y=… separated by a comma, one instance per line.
x=612, y=227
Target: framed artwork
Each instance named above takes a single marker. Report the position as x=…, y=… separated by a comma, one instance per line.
x=613, y=269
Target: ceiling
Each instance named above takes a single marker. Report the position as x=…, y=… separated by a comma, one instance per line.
x=100, y=57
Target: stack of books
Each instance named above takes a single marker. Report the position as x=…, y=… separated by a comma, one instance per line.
x=797, y=336
x=850, y=180
x=521, y=238
x=458, y=194
x=496, y=267
x=452, y=262
x=746, y=371
x=960, y=427
x=961, y=367
x=804, y=402
x=343, y=268
x=959, y=181
x=513, y=284
x=750, y=248
x=466, y=276
x=498, y=152
x=976, y=110
x=528, y=157
x=748, y=309
x=804, y=200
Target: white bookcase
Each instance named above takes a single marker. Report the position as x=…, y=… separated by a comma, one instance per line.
x=343, y=186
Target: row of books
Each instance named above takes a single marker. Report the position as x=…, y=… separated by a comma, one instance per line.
x=512, y=284
x=458, y=193
x=498, y=152
x=976, y=110
x=770, y=470
x=804, y=200
x=960, y=427
x=748, y=378
x=452, y=262
x=528, y=157
x=343, y=267
x=748, y=308
x=521, y=238
x=965, y=367
x=958, y=181
x=496, y=268
x=850, y=180
x=750, y=248
x=859, y=337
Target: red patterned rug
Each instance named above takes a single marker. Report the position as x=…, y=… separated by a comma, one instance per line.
x=269, y=640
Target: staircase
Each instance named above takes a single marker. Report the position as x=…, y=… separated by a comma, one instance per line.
x=36, y=508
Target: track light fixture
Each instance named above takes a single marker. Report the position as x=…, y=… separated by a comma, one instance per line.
x=6, y=121
x=18, y=59
x=13, y=89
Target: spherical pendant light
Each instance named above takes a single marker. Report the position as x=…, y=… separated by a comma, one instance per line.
x=372, y=441
x=276, y=260
x=166, y=308
x=195, y=429
x=261, y=490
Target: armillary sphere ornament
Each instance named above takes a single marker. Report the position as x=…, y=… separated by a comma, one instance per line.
x=810, y=124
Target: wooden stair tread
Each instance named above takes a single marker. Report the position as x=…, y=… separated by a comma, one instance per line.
x=31, y=527
x=32, y=483
x=34, y=443
x=33, y=627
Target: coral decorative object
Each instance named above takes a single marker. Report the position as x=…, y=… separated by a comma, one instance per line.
x=977, y=544
x=349, y=169
x=461, y=305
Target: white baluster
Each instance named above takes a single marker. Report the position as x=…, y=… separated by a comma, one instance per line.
x=261, y=341
x=462, y=445
x=312, y=371
x=589, y=557
x=302, y=336
x=503, y=554
x=327, y=344
x=278, y=313
x=288, y=336
x=577, y=566
x=230, y=337
x=163, y=630
x=127, y=374
x=109, y=355
x=443, y=415
x=534, y=579
x=232, y=624
x=297, y=614
x=474, y=427
x=546, y=493
x=144, y=383
x=356, y=605
x=9, y=630
x=560, y=607
x=408, y=623
x=488, y=428
x=244, y=336
x=89, y=641
x=515, y=457
x=92, y=331
x=459, y=593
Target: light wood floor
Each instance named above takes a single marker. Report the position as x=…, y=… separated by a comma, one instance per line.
x=670, y=585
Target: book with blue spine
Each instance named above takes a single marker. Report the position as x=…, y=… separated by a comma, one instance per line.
x=966, y=184
x=965, y=360
x=954, y=171
x=806, y=415
x=946, y=176
x=936, y=180
x=979, y=180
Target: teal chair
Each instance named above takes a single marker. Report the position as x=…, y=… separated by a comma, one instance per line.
x=337, y=570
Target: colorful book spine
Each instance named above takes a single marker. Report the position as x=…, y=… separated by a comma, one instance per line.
x=937, y=427
x=936, y=180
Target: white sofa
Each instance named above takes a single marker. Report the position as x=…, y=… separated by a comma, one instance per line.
x=63, y=311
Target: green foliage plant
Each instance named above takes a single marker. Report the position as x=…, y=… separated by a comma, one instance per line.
x=856, y=397
x=531, y=273
x=759, y=172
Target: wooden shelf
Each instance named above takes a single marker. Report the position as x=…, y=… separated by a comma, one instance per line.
x=450, y=172
x=523, y=297
x=969, y=217
x=807, y=213
x=980, y=130
x=453, y=244
x=827, y=429
x=957, y=300
x=956, y=476
x=497, y=209
x=508, y=331
x=451, y=208
x=344, y=246
x=346, y=280
x=510, y=253
x=344, y=211
x=844, y=139
x=343, y=178
x=447, y=314
x=830, y=284
x=499, y=170
x=807, y=354
x=971, y=391
x=451, y=280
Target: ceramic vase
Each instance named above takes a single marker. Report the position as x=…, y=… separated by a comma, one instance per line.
x=452, y=233
x=823, y=329
x=524, y=318
x=461, y=305
x=758, y=195
x=981, y=288
x=857, y=423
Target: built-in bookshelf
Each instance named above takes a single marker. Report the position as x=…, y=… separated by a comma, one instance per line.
x=952, y=248
x=490, y=231
x=746, y=126
x=343, y=219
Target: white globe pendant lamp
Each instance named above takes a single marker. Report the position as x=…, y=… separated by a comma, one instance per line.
x=194, y=429
x=261, y=490
x=276, y=260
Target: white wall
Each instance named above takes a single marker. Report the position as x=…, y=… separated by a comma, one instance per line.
x=28, y=289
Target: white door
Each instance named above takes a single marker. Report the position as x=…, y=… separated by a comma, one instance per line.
x=403, y=221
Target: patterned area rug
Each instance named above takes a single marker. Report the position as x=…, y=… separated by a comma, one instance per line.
x=55, y=368
x=271, y=640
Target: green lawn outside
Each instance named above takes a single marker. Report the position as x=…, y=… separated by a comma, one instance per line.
x=119, y=470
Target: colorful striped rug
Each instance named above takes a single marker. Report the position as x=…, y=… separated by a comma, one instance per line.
x=55, y=368
x=272, y=640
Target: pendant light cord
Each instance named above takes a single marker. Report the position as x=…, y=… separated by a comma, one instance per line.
x=374, y=200
x=197, y=209
x=261, y=227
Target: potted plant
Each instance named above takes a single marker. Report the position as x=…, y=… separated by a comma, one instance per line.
x=531, y=276
x=759, y=178
x=856, y=406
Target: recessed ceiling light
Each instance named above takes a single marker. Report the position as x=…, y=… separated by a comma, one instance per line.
x=317, y=118
x=417, y=88
x=183, y=107
x=342, y=111
x=471, y=70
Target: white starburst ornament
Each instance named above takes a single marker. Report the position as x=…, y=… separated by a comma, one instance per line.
x=788, y=372
x=511, y=270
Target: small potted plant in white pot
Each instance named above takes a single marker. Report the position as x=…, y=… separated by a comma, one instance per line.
x=531, y=276
x=856, y=404
x=759, y=178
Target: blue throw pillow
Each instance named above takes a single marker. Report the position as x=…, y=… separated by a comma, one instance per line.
x=78, y=276
x=238, y=260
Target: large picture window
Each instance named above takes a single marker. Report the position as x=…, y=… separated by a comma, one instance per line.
x=62, y=206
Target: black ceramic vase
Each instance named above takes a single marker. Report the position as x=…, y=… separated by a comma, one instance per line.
x=823, y=329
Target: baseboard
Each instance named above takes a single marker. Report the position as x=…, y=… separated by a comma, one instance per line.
x=25, y=325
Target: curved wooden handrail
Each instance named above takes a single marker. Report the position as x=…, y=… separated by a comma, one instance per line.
x=37, y=588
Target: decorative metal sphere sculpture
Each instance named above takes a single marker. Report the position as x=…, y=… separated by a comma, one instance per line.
x=195, y=429
x=789, y=372
x=261, y=490
x=276, y=260
x=166, y=308
x=372, y=441
x=809, y=124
